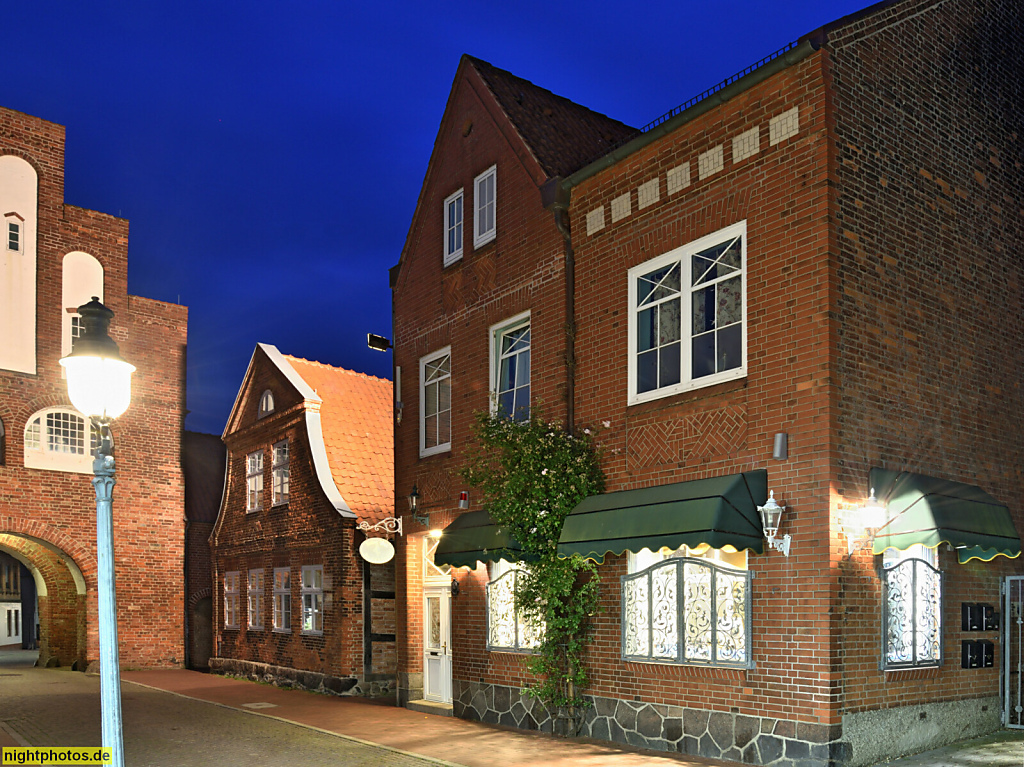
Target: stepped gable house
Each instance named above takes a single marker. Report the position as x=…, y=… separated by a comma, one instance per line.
x=804, y=283
x=53, y=258
x=309, y=458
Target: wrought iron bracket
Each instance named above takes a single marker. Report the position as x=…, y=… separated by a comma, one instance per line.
x=779, y=544
x=388, y=525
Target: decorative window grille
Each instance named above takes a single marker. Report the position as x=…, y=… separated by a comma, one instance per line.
x=912, y=614
x=507, y=629
x=433, y=573
x=312, y=599
x=255, y=594
x=254, y=480
x=231, y=600
x=281, y=472
x=282, y=599
x=687, y=610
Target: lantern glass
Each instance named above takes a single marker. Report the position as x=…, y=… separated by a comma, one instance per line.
x=771, y=516
x=873, y=513
x=99, y=387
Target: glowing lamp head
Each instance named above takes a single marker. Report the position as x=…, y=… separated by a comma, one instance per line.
x=771, y=516
x=99, y=380
x=873, y=513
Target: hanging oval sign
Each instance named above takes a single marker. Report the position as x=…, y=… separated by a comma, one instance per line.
x=376, y=551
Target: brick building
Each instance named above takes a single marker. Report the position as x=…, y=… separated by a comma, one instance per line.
x=804, y=281
x=53, y=258
x=310, y=458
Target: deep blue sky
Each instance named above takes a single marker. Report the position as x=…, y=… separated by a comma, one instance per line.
x=269, y=155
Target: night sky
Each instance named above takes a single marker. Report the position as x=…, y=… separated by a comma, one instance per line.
x=269, y=155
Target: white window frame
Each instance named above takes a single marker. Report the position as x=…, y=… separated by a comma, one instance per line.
x=312, y=593
x=266, y=406
x=283, y=599
x=40, y=442
x=683, y=255
x=280, y=473
x=484, y=235
x=453, y=251
x=424, y=361
x=14, y=219
x=527, y=639
x=231, y=599
x=497, y=333
x=254, y=600
x=254, y=481
x=643, y=567
x=918, y=565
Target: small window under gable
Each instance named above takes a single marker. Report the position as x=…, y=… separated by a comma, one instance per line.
x=82, y=279
x=453, y=228
x=60, y=439
x=484, y=206
x=14, y=232
x=266, y=404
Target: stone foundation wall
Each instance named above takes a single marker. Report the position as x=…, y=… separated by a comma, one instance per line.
x=283, y=676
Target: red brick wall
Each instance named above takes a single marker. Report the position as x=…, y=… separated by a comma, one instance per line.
x=520, y=270
x=148, y=498
x=927, y=307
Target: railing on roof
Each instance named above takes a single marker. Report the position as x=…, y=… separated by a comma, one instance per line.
x=716, y=88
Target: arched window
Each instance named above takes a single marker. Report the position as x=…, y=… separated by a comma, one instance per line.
x=266, y=404
x=60, y=439
x=82, y=279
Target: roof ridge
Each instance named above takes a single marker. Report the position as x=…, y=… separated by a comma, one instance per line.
x=335, y=367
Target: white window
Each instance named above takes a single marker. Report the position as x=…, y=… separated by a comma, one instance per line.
x=484, y=205
x=436, y=402
x=453, y=228
x=231, y=599
x=687, y=316
x=280, y=472
x=254, y=480
x=912, y=608
x=58, y=439
x=507, y=629
x=510, y=368
x=282, y=599
x=687, y=606
x=266, y=404
x=82, y=278
x=312, y=599
x=14, y=230
x=255, y=594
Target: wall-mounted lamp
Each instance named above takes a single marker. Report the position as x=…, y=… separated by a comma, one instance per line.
x=771, y=517
x=378, y=343
x=414, y=507
x=860, y=524
x=780, y=447
x=463, y=500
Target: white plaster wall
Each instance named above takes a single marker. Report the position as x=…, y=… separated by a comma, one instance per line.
x=18, y=194
x=81, y=280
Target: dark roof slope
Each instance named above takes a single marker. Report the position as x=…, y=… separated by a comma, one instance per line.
x=562, y=135
x=202, y=461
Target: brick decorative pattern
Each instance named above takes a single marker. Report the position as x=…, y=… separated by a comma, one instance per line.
x=711, y=162
x=647, y=193
x=595, y=220
x=747, y=144
x=622, y=206
x=678, y=178
x=784, y=126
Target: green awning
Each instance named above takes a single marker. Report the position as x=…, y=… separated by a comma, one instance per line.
x=718, y=511
x=473, y=538
x=931, y=511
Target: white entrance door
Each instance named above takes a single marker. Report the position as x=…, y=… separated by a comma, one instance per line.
x=437, y=646
x=10, y=624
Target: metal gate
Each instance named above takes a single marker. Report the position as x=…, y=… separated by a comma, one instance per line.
x=1013, y=647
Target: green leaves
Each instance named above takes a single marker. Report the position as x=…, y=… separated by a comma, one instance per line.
x=531, y=474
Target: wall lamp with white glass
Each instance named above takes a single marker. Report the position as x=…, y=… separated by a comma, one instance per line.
x=771, y=518
x=860, y=524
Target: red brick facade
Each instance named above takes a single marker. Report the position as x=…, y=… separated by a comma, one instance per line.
x=49, y=517
x=883, y=315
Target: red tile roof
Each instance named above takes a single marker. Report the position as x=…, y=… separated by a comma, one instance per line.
x=357, y=418
x=562, y=135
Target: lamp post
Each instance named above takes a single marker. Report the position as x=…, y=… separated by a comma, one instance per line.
x=99, y=386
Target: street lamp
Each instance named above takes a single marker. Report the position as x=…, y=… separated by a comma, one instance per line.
x=99, y=386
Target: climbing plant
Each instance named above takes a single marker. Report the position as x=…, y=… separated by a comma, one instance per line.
x=531, y=474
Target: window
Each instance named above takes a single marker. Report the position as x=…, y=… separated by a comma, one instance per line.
x=231, y=599
x=266, y=404
x=3, y=444
x=55, y=439
x=687, y=606
x=912, y=608
x=254, y=480
x=312, y=599
x=81, y=279
x=510, y=368
x=14, y=232
x=255, y=594
x=687, y=317
x=484, y=207
x=280, y=471
x=506, y=627
x=436, y=403
x=453, y=228
x=282, y=599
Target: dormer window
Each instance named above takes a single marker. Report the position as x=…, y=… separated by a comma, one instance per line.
x=14, y=232
x=484, y=203
x=266, y=404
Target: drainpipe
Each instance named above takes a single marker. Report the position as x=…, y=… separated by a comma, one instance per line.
x=555, y=197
